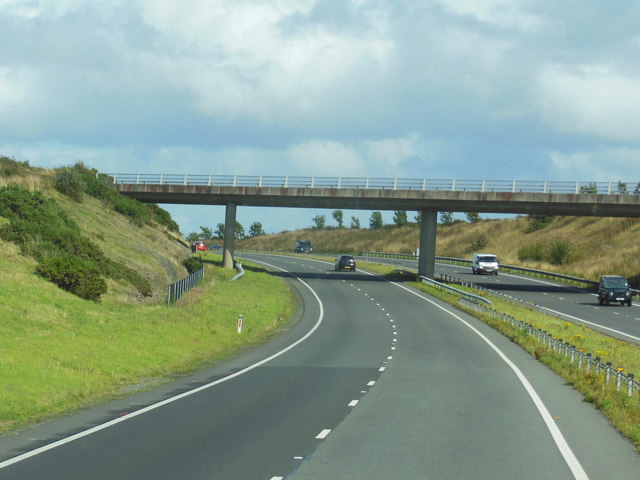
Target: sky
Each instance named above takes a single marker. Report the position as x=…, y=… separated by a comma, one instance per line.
x=447, y=89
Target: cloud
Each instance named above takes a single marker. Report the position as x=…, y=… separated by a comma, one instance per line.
x=605, y=165
x=590, y=100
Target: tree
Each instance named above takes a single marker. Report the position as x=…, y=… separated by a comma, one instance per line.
x=622, y=188
x=355, y=222
x=375, y=221
x=446, y=218
x=318, y=222
x=337, y=216
x=220, y=230
x=255, y=230
x=418, y=217
x=591, y=188
x=473, y=217
x=193, y=236
x=239, y=231
x=400, y=218
x=206, y=233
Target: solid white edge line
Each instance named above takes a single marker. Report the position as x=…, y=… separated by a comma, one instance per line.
x=323, y=434
x=124, y=418
x=561, y=443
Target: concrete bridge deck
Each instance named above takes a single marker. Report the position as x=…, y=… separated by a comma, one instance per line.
x=602, y=199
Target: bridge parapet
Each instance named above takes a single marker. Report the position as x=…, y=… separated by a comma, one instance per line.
x=377, y=183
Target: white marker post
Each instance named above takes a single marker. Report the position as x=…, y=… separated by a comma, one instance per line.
x=240, y=324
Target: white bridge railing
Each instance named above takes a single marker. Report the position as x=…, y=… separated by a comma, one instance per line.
x=451, y=185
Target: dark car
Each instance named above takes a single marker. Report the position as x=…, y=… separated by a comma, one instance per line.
x=613, y=288
x=345, y=262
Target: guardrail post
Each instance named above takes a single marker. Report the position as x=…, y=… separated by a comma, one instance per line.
x=608, y=372
x=588, y=362
x=630, y=384
x=138, y=179
x=580, y=356
x=573, y=353
x=185, y=179
x=161, y=178
x=618, y=378
x=453, y=185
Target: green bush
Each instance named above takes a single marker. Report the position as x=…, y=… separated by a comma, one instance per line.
x=73, y=275
x=478, y=244
x=559, y=252
x=118, y=271
x=538, y=222
x=69, y=182
x=192, y=264
x=534, y=252
x=555, y=252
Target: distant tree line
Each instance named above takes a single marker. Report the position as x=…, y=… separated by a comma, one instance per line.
x=206, y=233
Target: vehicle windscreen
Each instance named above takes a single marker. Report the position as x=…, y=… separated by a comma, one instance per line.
x=616, y=283
x=487, y=259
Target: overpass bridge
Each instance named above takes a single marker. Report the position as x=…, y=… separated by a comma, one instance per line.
x=428, y=196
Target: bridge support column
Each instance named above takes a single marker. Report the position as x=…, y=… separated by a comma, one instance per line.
x=229, y=235
x=427, y=257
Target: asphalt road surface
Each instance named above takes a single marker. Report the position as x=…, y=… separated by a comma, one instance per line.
x=374, y=380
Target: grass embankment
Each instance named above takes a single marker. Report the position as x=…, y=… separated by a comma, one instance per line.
x=60, y=352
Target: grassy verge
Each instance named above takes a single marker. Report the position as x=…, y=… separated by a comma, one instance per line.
x=60, y=352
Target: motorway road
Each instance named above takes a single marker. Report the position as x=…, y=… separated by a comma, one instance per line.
x=573, y=304
x=373, y=381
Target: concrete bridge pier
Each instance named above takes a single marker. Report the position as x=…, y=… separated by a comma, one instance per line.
x=427, y=257
x=228, y=247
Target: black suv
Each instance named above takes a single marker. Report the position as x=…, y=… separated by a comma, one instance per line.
x=613, y=288
x=345, y=262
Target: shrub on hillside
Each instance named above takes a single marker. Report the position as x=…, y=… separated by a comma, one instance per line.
x=538, y=222
x=478, y=244
x=118, y=271
x=99, y=186
x=69, y=182
x=192, y=264
x=10, y=167
x=555, y=252
x=559, y=252
x=73, y=275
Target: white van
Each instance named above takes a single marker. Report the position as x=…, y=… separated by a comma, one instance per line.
x=484, y=263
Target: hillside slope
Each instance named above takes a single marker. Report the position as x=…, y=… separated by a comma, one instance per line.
x=581, y=246
x=150, y=249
